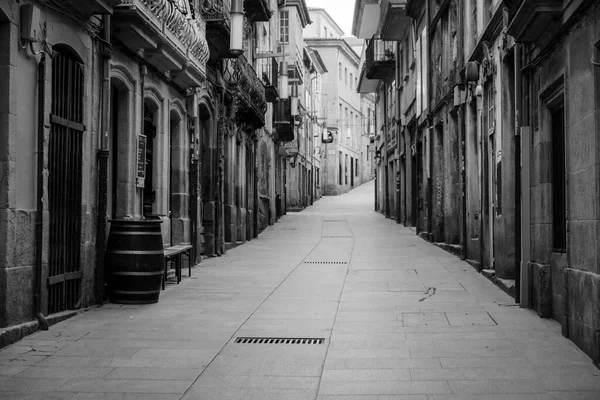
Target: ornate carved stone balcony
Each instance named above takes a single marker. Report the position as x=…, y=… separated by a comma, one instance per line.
x=248, y=91
x=169, y=39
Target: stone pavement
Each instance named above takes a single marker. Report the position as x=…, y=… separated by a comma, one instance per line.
x=401, y=319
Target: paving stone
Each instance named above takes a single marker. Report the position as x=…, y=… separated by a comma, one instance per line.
x=367, y=397
x=64, y=372
x=11, y=370
x=200, y=393
x=457, y=374
x=125, y=386
x=424, y=319
x=382, y=388
x=498, y=386
x=185, y=374
x=379, y=363
x=11, y=360
x=372, y=375
x=126, y=396
x=37, y=396
x=258, y=382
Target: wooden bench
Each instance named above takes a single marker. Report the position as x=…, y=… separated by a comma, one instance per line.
x=174, y=253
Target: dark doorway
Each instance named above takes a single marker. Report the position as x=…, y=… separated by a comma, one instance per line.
x=352, y=171
x=65, y=149
x=150, y=133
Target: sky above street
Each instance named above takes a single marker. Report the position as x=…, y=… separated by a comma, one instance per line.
x=340, y=10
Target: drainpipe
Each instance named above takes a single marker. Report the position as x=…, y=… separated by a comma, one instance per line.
x=39, y=223
x=398, y=127
x=462, y=138
x=517, y=166
x=482, y=160
x=429, y=126
x=103, y=154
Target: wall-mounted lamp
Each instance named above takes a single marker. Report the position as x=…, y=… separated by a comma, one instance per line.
x=236, y=36
x=293, y=161
x=283, y=81
x=294, y=98
x=479, y=94
x=294, y=102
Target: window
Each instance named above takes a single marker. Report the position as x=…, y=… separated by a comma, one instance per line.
x=351, y=79
x=346, y=76
x=325, y=31
x=356, y=165
x=284, y=27
x=340, y=70
x=355, y=82
x=491, y=118
x=559, y=220
x=318, y=84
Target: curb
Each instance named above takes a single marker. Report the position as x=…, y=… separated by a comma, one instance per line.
x=15, y=333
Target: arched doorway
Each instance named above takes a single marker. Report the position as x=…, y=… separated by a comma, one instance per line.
x=65, y=158
x=118, y=171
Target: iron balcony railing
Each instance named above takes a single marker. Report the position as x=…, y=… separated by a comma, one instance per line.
x=216, y=10
x=380, y=58
x=242, y=78
x=267, y=70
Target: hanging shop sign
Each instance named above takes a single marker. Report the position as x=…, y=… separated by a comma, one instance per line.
x=291, y=148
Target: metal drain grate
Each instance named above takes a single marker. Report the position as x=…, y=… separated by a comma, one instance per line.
x=335, y=237
x=325, y=262
x=265, y=340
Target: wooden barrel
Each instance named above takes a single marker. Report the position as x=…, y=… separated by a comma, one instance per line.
x=135, y=261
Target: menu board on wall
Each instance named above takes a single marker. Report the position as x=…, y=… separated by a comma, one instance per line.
x=141, y=161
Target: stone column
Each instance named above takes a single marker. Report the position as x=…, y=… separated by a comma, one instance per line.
x=179, y=182
x=241, y=188
x=230, y=208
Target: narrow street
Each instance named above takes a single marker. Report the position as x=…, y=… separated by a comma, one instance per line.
x=400, y=319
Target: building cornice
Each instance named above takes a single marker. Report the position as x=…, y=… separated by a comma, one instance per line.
x=302, y=10
x=334, y=42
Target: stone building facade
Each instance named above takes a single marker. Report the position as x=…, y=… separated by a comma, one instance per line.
x=129, y=110
x=497, y=118
x=345, y=158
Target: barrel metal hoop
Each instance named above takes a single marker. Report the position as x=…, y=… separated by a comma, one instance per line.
x=124, y=273
x=137, y=233
x=134, y=252
x=136, y=291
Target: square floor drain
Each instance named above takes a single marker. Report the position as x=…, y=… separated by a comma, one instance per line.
x=266, y=340
x=325, y=262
